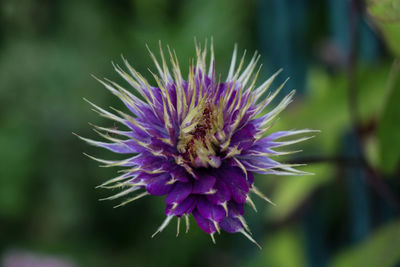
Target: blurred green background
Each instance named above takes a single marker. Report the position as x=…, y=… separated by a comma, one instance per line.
x=341, y=57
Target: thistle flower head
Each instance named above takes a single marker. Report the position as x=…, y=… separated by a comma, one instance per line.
x=197, y=141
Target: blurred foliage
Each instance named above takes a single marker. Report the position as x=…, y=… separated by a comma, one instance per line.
x=282, y=248
x=291, y=193
x=386, y=14
x=376, y=251
x=389, y=127
x=48, y=204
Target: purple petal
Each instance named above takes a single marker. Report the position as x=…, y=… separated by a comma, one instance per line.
x=258, y=162
x=180, y=174
x=114, y=147
x=158, y=186
x=265, y=144
x=204, y=184
x=150, y=162
x=145, y=178
x=277, y=135
x=185, y=207
x=235, y=209
x=250, y=179
x=148, y=116
x=222, y=193
x=231, y=225
x=157, y=144
x=236, y=182
x=209, y=210
x=244, y=137
x=179, y=192
x=220, y=88
x=205, y=224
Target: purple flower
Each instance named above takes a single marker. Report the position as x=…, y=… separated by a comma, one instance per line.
x=197, y=141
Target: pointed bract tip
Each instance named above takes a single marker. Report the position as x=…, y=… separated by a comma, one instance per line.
x=243, y=232
x=256, y=191
x=94, y=76
x=251, y=203
x=187, y=223
x=163, y=225
x=250, y=238
x=178, y=224
x=131, y=199
x=213, y=238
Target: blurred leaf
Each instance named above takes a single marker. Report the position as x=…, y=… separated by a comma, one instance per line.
x=389, y=126
x=381, y=249
x=371, y=147
x=292, y=191
x=282, y=248
x=386, y=14
x=17, y=165
x=325, y=107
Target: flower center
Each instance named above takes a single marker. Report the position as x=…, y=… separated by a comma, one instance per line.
x=199, y=146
